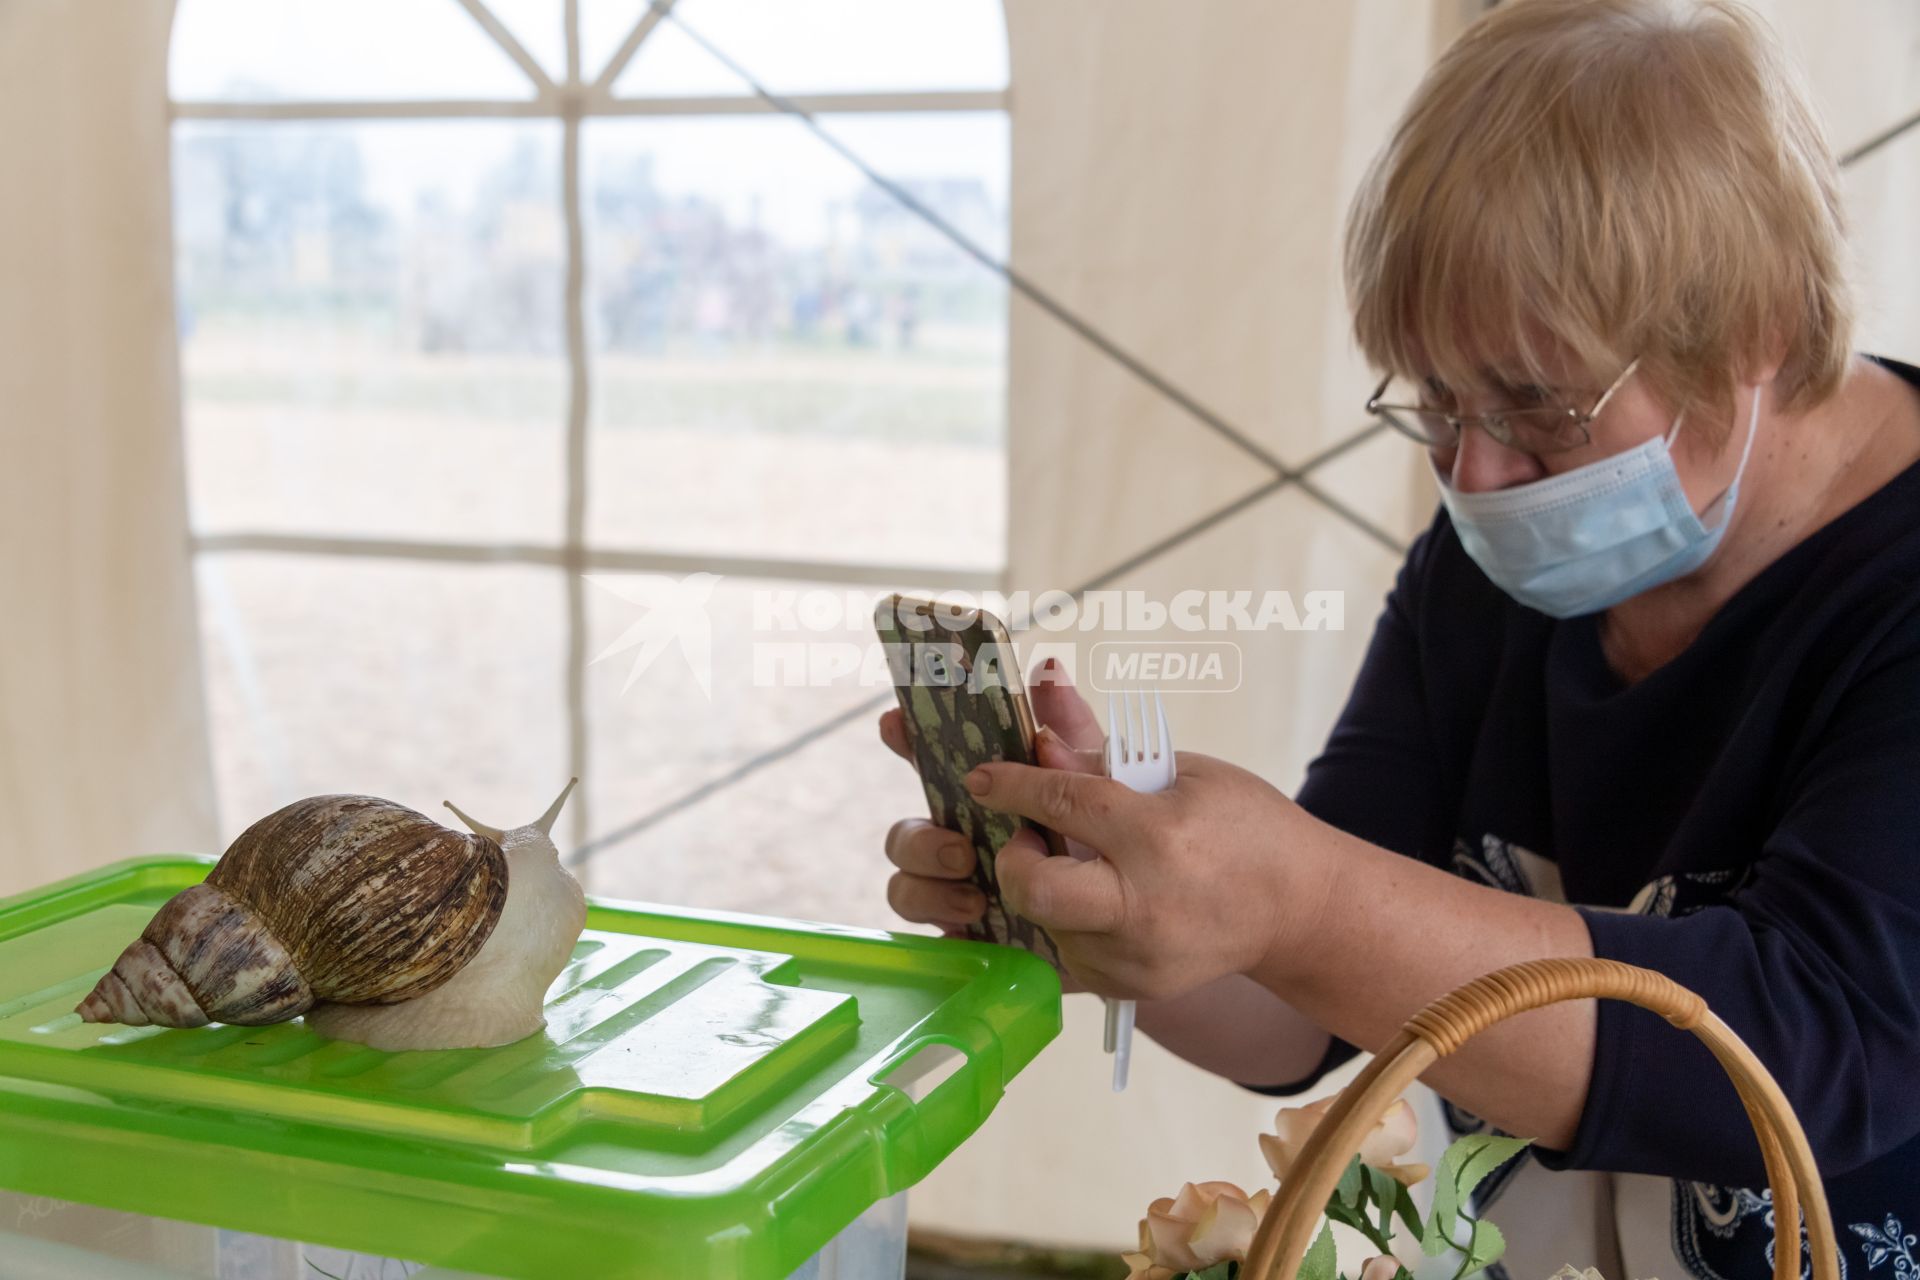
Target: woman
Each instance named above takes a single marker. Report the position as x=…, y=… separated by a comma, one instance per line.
x=1658, y=656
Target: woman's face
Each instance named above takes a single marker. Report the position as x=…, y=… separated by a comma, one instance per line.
x=1634, y=415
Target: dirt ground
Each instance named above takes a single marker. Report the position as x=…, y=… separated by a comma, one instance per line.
x=423, y=680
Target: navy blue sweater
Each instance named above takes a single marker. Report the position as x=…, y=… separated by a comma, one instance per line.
x=1746, y=820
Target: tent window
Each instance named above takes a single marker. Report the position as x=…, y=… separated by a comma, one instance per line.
x=411, y=526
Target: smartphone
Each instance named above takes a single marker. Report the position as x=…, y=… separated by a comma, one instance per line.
x=965, y=704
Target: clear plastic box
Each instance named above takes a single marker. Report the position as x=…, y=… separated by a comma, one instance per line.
x=713, y=1096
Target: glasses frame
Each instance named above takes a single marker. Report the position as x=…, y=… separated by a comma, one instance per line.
x=1495, y=423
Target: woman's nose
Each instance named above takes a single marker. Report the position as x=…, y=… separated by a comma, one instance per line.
x=1482, y=464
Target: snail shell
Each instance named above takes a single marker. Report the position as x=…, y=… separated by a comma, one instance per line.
x=347, y=899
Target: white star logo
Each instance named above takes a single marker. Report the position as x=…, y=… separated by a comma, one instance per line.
x=676, y=612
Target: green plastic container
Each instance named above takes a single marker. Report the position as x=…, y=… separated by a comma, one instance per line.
x=715, y=1095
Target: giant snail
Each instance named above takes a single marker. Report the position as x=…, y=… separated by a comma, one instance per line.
x=376, y=922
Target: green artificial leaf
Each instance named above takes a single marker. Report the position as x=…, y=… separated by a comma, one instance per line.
x=1348, y=1203
x=1352, y=1184
x=1218, y=1271
x=1463, y=1166
x=1322, y=1261
x=1483, y=1249
x=1496, y=1149
x=1355, y=1217
x=1409, y=1214
x=1384, y=1190
x=1446, y=1200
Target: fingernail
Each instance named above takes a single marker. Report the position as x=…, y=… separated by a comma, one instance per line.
x=956, y=856
x=978, y=782
x=1050, y=748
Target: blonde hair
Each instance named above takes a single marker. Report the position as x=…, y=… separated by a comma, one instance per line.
x=1622, y=179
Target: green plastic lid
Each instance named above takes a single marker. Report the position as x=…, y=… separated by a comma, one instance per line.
x=714, y=1095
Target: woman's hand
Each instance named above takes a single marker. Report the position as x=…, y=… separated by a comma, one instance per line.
x=1194, y=883
x=1224, y=875
x=1233, y=1027
x=932, y=883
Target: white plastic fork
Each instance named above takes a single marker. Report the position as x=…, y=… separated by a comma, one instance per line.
x=1139, y=757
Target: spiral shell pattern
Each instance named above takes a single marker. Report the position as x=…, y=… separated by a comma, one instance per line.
x=349, y=899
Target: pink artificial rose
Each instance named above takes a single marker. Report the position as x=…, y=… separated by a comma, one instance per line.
x=1394, y=1136
x=1207, y=1223
x=1383, y=1268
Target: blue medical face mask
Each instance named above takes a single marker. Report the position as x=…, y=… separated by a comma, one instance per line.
x=1585, y=540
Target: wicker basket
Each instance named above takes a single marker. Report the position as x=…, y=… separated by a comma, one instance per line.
x=1452, y=1020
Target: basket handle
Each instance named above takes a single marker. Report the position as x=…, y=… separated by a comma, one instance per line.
x=1453, y=1019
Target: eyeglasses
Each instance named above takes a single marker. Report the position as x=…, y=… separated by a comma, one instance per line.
x=1530, y=429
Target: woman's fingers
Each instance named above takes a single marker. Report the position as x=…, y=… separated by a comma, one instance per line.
x=893, y=732
x=919, y=848
x=931, y=886
x=1063, y=895
x=1059, y=706
x=947, y=903
x=1096, y=811
x=1055, y=752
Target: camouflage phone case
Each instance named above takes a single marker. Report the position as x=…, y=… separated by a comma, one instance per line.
x=965, y=705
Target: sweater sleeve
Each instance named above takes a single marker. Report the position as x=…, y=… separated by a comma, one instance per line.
x=1814, y=961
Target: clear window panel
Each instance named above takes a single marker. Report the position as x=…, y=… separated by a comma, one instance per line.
x=824, y=46
x=330, y=50
x=788, y=363
x=801, y=837
x=412, y=681
x=371, y=328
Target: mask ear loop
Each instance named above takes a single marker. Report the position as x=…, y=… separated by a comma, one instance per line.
x=1753, y=429
x=1746, y=450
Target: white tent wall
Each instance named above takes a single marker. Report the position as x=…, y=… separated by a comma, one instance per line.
x=1862, y=61
x=103, y=746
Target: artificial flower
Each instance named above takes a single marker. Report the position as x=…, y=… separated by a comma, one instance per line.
x=1394, y=1136
x=1207, y=1223
x=1383, y=1268
x=1140, y=1266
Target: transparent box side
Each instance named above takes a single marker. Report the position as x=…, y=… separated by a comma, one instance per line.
x=47, y=1239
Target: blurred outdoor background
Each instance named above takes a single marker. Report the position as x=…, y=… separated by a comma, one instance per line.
x=792, y=376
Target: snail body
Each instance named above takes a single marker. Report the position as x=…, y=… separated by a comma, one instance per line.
x=376, y=922
x=499, y=996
